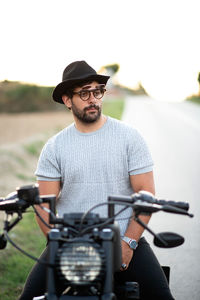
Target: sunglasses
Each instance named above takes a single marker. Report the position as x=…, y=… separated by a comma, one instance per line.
x=98, y=93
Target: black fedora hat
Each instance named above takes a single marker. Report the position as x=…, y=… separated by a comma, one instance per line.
x=75, y=73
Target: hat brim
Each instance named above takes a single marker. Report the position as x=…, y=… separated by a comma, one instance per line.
x=62, y=87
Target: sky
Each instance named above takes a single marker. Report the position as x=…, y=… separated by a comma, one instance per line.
x=155, y=42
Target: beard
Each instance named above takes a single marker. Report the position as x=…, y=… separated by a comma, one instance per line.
x=86, y=116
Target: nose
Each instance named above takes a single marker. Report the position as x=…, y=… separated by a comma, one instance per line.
x=92, y=98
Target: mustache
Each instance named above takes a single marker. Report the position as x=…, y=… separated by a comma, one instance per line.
x=92, y=106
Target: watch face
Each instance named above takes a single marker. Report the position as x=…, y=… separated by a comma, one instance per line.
x=133, y=245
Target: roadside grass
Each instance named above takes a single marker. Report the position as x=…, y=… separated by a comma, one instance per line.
x=194, y=98
x=114, y=108
x=14, y=266
x=34, y=148
x=25, y=177
x=16, y=157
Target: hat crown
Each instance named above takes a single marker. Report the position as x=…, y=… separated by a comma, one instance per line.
x=77, y=69
x=75, y=73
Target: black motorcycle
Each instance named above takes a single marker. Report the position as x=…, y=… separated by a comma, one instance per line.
x=84, y=248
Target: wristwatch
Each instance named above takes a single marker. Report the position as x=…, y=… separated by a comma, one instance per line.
x=132, y=243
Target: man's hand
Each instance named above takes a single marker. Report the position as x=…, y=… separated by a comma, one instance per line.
x=127, y=254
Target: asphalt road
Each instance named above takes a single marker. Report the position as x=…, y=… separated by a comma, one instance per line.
x=172, y=131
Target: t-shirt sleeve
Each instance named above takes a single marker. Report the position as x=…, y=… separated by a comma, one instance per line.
x=48, y=168
x=139, y=157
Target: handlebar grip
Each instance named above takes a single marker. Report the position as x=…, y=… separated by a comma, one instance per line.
x=13, y=205
x=150, y=198
x=182, y=205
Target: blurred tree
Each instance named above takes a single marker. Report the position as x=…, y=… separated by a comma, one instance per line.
x=199, y=82
x=20, y=97
x=113, y=68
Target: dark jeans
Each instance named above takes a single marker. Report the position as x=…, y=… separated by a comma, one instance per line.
x=144, y=268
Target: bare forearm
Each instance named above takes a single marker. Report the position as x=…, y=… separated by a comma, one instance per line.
x=45, y=216
x=134, y=230
x=46, y=188
x=140, y=182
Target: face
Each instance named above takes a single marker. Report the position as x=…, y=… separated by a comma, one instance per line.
x=87, y=109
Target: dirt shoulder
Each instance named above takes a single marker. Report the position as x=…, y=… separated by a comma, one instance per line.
x=15, y=128
x=21, y=139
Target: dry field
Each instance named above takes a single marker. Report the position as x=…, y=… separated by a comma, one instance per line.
x=21, y=139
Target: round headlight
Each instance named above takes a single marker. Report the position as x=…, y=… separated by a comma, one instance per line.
x=80, y=263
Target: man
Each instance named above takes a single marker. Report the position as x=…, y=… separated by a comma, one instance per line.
x=95, y=157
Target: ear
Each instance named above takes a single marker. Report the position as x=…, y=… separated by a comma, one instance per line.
x=67, y=101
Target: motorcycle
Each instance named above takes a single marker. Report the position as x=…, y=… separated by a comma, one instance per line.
x=84, y=248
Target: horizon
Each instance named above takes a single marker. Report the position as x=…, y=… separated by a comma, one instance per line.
x=154, y=42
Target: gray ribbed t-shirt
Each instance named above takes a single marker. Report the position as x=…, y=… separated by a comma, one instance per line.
x=92, y=166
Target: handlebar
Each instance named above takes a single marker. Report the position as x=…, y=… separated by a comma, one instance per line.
x=148, y=198
x=143, y=201
x=14, y=205
x=23, y=198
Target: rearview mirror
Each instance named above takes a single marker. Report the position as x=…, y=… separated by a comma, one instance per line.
x=170, y=240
